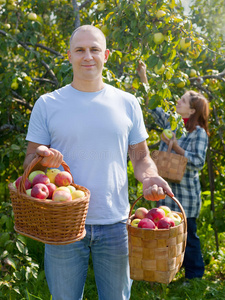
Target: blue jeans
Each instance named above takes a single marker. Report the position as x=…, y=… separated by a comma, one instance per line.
x=193, y=261
x=66, y=265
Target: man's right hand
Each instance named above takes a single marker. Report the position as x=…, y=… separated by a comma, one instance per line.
x=52, y=158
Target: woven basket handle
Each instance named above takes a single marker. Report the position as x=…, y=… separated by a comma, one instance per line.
x=175, y=200
x=33, y=163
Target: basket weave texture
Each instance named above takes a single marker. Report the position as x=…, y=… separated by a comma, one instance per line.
x=50, y=222
x=171, y=166
x=156, y=255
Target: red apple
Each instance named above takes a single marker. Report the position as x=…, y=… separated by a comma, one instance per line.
x=40, y=191
x=146, y=223
x=60, y=196
x=41, y=178
x=51, y=188
x=63, y=178
x=155, y=214
x=35, y=173
x=27, y=183
x=165, y=223
x=135, y=222
x=140, y=212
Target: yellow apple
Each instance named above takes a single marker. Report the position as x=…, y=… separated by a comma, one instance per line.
x=62, y=188
x=158, y=38
x=77, y=194
x=135, y=222
x=181, y=84
x=71, y=188
x=192, y=73
x=51, y=173
x=159, y=71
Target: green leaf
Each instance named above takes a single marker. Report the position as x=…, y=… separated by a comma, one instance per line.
x=154, y=101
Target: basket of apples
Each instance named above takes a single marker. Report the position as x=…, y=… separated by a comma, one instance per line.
x=48, y=206
x=157, y=240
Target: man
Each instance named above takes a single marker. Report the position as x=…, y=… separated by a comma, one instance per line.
x=92, y=126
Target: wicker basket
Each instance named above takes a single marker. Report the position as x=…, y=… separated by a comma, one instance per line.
x=171, y=166
x=156, y=255
x=50, y=222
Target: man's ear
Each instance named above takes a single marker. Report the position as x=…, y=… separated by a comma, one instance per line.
x=106, y=55
x=69, y=55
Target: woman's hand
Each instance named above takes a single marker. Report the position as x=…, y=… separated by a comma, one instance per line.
x=141, y=69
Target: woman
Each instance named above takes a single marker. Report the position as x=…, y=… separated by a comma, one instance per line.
x=194, y=109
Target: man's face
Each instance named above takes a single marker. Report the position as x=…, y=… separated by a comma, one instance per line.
x=87, y=55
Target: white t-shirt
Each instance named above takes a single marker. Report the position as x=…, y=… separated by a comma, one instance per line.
x=92, y=130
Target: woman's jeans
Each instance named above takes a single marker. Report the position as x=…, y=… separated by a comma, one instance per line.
x=193, y=261
x=66, y=265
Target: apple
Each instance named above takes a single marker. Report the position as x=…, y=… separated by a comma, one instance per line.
x=135, y=222
x=28, y=192
x=77, y=194
x=192, y=73
x=166, y=209
x=159, y=71
x=140, y=212
x=165, y=223
x=51, y=173
x=158, y=38
x=169, y=75
x=2, y=2
x=7, y=26
x=146, y=223
x=71, y=188
x=175, y=217
x=101, y=6
x=63, y=188
x=34, y=173
x=63, y=178
x=60, y=196
x=14, y=85
x=40, y=191
x=27, y=183
x=51, y=188
x=160, y=14
x=41, y=178
x=181, y=84
x=32, y=16
x=168, y=133
x=185, y=43
x=155, y=214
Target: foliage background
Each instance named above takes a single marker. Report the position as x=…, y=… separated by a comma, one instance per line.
x=33, y=61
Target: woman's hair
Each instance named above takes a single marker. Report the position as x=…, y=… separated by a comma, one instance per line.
x=200, y=116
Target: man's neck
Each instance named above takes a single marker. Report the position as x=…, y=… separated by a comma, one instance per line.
x=88, y=86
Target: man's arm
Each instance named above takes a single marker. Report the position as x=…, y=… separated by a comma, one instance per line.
x=145, y=170
x=52, y=158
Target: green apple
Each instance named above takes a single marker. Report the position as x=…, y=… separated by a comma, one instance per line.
x=32, y=16
x=168, y=133
x=192, y=73
x=101, y=6
x=185, y=43
x=28, y=192
x=34, y=173
x=14, y=85
x=158, y=38
x=135, y=222
x=166, y=209
x=174, y=216
x=160, y=14
x=7, y=26
x=169, y=75
x=2, y=2
x=159, y=71
x=181, y=84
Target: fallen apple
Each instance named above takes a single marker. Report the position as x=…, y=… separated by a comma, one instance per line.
x=140, y=212
x=146, y=223
x=40, y=178
x=63, y=178
x=155, y=214
x=168, y=133
x=165, y=223
x=34, y=173
x=40, y=191
x=60, y=196
x=135, y=222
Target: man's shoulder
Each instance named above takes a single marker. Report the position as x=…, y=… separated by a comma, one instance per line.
x=122, y=93
x=57, y=92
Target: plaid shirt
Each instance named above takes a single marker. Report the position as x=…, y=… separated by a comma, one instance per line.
x=195, y=144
